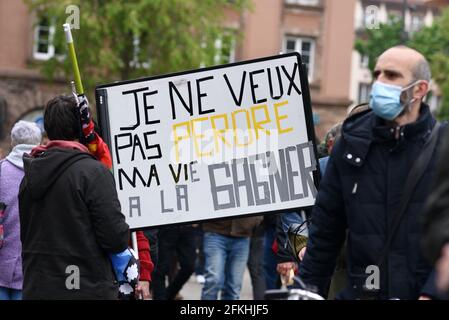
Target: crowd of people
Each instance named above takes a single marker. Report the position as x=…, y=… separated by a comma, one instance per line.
x=383, y=201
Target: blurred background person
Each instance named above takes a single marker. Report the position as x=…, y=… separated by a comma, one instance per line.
x=199, y=262
x=179, y=242
x=226, y=251
x=24, y=137
x=256, y=262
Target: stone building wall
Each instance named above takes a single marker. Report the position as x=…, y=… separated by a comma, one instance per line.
x=22, y=94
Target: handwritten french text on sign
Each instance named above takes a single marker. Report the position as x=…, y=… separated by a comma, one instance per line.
x=211, y=143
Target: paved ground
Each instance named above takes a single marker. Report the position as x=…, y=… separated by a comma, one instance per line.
x=192, y=289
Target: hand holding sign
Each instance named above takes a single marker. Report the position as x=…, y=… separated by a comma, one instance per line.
x=87, y=125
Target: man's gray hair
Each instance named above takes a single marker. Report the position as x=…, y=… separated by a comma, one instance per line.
x=421, y=71
x=25, y=132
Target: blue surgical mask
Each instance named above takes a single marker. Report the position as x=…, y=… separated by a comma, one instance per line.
x=385, y=99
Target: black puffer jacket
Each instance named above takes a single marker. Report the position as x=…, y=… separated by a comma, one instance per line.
x=360, y=192
x=70, y=219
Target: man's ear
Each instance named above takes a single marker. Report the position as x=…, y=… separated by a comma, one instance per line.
x=421, y=89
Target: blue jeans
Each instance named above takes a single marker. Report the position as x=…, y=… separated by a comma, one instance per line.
x=225, y=261
x=10, y=294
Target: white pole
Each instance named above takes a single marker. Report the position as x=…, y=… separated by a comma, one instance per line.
x=134, y=243
x=136, y=250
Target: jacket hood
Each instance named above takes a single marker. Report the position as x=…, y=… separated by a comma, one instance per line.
x=46, y=163
x=362, y=129
x=16, y=154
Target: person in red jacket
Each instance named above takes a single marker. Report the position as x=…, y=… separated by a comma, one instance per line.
x=100, y=150
x=146, y=267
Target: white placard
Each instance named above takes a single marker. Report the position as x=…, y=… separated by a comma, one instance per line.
x=226, y=141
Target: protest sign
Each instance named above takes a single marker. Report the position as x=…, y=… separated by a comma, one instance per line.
x=225, y=141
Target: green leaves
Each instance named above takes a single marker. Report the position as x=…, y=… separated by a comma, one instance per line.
x=125, y=39
x=373, y=42
x=433, y=42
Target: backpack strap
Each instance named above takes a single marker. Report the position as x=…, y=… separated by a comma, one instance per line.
x=416, y=172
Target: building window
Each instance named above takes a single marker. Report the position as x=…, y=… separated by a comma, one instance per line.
x=394, y=16
x=224, y=49
x=43, y=48
x=417, y=22
x=306, y=47
x=364, y=61
x=364, y=92
x=303, y=2
x=434, y=102
x=371, y=17
x=136, y=62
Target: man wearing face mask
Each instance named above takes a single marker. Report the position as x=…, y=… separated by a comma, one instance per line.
x=376, y=183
